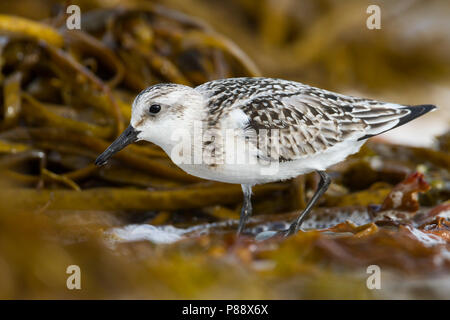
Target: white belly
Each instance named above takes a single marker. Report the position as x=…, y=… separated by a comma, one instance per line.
x=257, y=173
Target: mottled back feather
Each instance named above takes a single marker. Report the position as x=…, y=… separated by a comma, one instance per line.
x=309, y=120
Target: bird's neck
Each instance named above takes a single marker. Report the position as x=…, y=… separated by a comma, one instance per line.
x=186, y=131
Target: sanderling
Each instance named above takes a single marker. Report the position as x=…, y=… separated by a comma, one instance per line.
x=309, y=129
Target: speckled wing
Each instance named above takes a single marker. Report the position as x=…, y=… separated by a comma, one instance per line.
x=305, y=124
x=309, y=120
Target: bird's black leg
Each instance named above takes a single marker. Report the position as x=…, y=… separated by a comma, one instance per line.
x=323, y=186
x=246, y=210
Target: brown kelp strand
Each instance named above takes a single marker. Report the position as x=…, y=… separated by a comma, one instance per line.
x=12, y=100
x=33, y=29
x=117, y=199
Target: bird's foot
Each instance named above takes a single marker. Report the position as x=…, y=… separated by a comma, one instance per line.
x=269, y=234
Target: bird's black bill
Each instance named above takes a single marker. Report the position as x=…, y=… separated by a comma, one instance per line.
x=127, y=137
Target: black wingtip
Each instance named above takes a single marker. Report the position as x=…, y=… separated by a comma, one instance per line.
x=415, y=112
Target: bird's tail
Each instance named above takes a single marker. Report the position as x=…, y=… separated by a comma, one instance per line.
x=408, y=113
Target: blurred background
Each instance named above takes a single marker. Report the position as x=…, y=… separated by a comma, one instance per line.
x=141, y=228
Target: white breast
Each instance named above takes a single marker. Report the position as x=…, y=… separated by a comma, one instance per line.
x=258, y=172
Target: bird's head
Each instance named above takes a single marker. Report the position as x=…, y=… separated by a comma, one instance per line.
x=156, y=112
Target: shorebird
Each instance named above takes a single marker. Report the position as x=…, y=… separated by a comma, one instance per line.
x=308, y=129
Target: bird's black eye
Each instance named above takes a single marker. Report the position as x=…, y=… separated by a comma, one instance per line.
x=154, y=108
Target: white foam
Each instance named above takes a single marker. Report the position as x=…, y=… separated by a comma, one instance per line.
x=140, y=232
x=429, y=240
x=357, y=217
